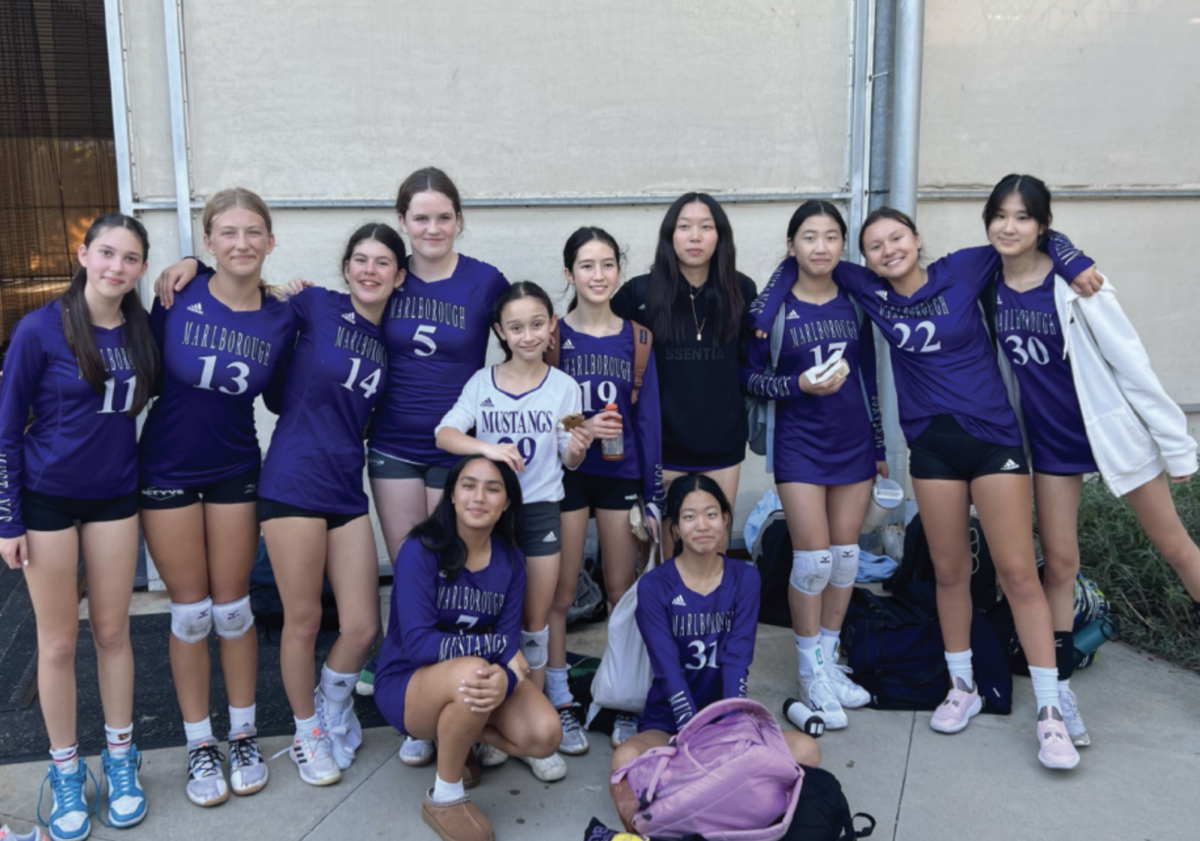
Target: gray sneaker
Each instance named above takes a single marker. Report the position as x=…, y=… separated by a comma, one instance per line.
x=416, y=751
x=206, y=784
x=1071, y=717
x=574, y=740
x=624, y=727
x=247, y=768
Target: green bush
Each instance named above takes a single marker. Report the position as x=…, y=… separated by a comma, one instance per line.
x=1141, y=587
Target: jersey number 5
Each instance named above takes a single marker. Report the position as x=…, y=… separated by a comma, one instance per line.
x=424, y=336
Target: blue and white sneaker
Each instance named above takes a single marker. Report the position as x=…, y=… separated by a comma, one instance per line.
x=126, y=799
x=68, y=804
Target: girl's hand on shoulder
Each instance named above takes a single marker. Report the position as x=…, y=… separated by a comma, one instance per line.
x=173, y=278
x=577, y=447
x=604, y=425
x=507, y=453
x=829, y=386
x=761, y=334
x=295, y=286
x=882, y=469
x=15, y=551
x=486, y=690
x=1088, y=282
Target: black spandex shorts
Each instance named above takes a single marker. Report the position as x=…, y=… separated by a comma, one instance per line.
x=541, y=532
x=240, y=488
x=947, y=451
x=606, y=493
x=272, y=509
x=382, y=466
x=46, y=512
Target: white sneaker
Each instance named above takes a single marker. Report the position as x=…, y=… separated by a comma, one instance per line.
x=849, y=694
x=490, y=756
x=574, y=740
x=1071, y=717
x=34, y=834
x=247, y=770
x=345, y=733
x=818, y=694
x=624, y=727
x=549, y=770
x=416, y=751
x=206, y=784
x=313, y=755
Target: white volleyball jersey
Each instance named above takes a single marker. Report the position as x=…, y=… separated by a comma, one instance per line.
x=530, y=420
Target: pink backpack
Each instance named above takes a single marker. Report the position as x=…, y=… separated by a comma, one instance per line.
x=727, y=775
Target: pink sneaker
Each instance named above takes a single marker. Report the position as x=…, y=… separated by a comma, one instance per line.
x=956, y=711
x=1056, y=750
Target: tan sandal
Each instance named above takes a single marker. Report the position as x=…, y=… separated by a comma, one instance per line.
x=458, y=820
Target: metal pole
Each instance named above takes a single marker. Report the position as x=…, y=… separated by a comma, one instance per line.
x=120, y=111
x=174, y=38
x=859, y=118
x=906, y=113
x=881, y=102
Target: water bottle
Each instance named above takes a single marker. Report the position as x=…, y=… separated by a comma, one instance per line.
x=1093, y=635
x=613, y=449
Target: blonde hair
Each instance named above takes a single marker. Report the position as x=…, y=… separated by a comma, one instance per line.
x=232, y=197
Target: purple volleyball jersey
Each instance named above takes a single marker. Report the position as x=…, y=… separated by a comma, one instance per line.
x=700, y=647
x=81, y=444
x=604, y=369
x=437, y=337
x=200, y=430
x=1029, y=332
x=477, y=614
x=336, y=377
x=833, y=439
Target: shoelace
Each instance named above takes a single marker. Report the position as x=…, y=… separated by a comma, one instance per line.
x=205, y=761
x=314, y=747
x=625, y=720
x=243, y=751
x=839, y=672
x=70, y=798
x=569, y=723
x=120, y=772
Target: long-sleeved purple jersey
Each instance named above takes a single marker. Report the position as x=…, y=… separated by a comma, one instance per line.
x=1029, y=333
x=437, y=336
x=603, y=367
x=336, y=377
x=200, y=430
x=700, y=647
x=81, y=444
x=833, y=439
x=942, y=354
x=434, y=619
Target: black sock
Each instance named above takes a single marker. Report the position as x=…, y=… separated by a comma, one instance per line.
x=1064, y=653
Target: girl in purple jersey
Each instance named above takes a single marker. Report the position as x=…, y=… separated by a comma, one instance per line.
x=84, y=364
x=451, y=666
x=827, y=448
x=599, y=350
x=693, y=300
x=1066, y=351
x=311, y=503
x=225, y=340
x=517, y=410
x=698, y=614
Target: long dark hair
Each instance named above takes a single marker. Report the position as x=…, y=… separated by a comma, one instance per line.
x=683, y=486
x=439, y=533
x=577, y=240
x=77, y=322
x=1033, y=192
x=515, y=292
x=667, y=304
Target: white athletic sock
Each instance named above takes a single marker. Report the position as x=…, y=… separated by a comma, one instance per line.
x=199, y=731
x=556, y=687
x=959, y=663
x=829, y=644
x=119, y=739
x=807, y=646
x=66, y=759
x=1045, y=686
x=337, y=686
x=305, y=726
x=444, y=792
x=241, y=719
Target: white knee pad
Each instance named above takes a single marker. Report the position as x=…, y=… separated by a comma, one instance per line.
x=233, y=619
x=535, y=645
x=811, y=571
x=192, y=622
x=845, y=565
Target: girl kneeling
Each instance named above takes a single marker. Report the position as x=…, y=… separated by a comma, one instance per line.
x=451, y=669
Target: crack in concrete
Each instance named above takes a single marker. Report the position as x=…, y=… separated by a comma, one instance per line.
x=904, y=779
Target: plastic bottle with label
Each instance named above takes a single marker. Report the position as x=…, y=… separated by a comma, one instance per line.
x=613, y=449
